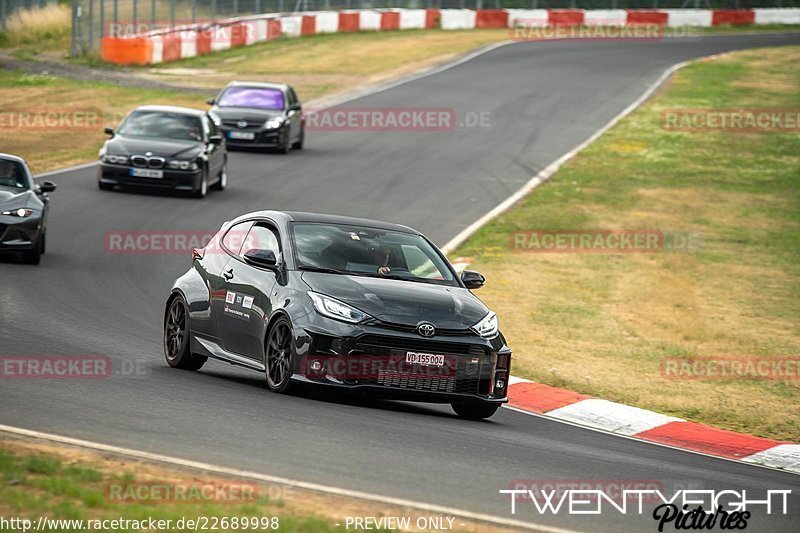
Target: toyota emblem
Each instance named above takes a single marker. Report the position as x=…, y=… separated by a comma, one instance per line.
x=242, y=124
x=426, y=329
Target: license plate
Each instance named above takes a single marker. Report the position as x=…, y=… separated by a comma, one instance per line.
x=420, y=358
x=244, y=135
x=147, y=173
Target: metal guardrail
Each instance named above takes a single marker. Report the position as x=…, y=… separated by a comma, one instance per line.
x=94, y=19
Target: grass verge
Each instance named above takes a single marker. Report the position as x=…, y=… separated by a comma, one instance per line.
x=602, y=324
x=63, y=483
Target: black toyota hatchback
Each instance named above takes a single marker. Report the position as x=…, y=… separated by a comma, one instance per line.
x=260, y=116
x=339, y=302
x=165, y=147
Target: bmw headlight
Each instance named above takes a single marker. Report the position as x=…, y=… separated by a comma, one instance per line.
x=182, y=164
x=115, y=159
x=488, y=327
x=333, y=308
x=274, y=123
x=22, y=212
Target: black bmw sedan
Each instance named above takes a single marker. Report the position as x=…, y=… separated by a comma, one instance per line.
x=260, y=115
x=339, y=302
x=23, y=209
x=165, y=147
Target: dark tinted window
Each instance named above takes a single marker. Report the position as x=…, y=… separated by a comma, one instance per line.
x=162, y=125
x=233, y=240
x=261, y=237
x=12, y=174
x=361, y=250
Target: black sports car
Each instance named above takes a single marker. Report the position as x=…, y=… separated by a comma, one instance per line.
x=340, y=302
x=260, y=115
x=165, y=147
x=23, y=209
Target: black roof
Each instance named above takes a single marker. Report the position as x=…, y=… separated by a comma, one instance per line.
x=300, y=216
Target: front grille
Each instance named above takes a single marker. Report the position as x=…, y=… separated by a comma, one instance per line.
x=145, y=161
x=459, y=375
x=413, y=329
x=391, y=378
x=423, y=345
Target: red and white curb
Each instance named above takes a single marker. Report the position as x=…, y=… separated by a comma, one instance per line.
x=189, y=40
x=620, y=419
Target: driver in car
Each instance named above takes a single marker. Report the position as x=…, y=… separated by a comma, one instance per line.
x=380, y=256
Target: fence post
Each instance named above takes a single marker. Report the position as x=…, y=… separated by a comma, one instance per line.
x=3, y=8
x=235, y=7
x=101, y=30
x=172, y=13
x=213, y=9
x=135, y=11
x=73, y=41
x=194, y=11
x=91, y=26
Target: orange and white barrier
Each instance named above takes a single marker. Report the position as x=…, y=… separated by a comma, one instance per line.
x=161, y=46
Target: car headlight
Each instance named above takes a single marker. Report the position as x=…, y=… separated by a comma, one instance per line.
x=274, y=123
x=333, y=308
x=181, y=164
x=22, y=212
x=115, y=159
x=488, y=327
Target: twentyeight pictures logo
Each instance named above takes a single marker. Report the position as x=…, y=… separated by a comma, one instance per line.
x=681, y=510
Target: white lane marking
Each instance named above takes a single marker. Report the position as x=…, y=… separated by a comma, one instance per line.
x=553, y=167
x=611, y=416
x=235, y=472
x=65, y=170
x=649, y=442
x=783, y=456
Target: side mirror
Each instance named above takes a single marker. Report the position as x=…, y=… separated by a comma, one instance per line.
x=261, y=258
x=47, y=186
x=215, y=139
x=211, y=101
x=295, y=107
x=472, y=279
x=109, y=131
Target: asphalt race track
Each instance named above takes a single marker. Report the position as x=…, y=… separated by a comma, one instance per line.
x=542, y=100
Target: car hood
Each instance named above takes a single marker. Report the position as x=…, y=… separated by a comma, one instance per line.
x=14, y=199
x=402, y=302
x=122, y=145
x=248, y=114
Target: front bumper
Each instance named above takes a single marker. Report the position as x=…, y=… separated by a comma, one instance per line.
x=179, y=180
x=263, y=138
x=373, y=359
x=20, y=233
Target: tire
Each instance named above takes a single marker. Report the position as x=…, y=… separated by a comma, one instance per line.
x=34, y=255
x=475, y=411
x=286, y=145
x=203, y=189
x=278, y=356
x=104, y=186
x=176, y=337
x=298, y=145
x=43, y=243
x=223, y=178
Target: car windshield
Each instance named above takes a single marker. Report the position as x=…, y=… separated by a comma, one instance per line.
x=162, y=125
x=255, y=97
x=365, y=251
x=13, y=175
